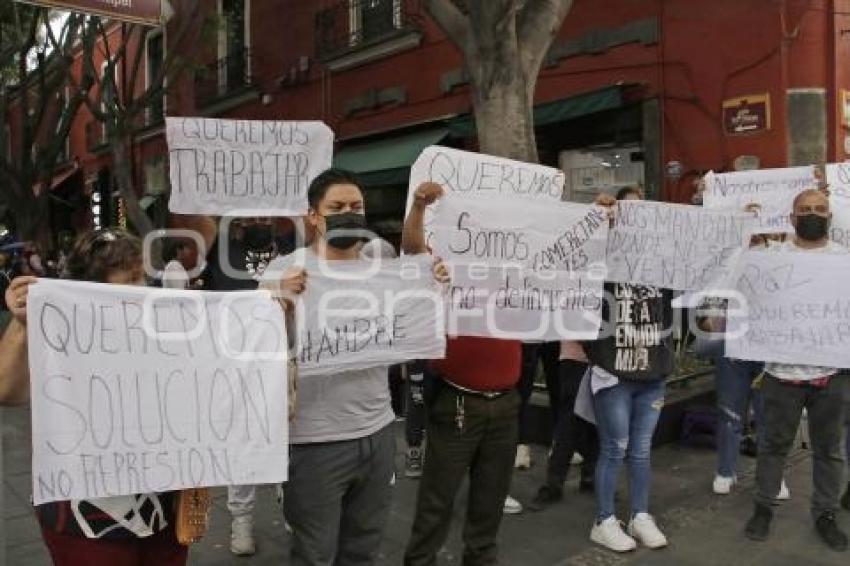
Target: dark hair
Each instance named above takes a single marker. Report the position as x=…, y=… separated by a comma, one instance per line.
x=320, y=185
x=173, y=247
x=98, y=253
x=626, y=191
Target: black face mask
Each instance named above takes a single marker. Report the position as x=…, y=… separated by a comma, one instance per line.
x=344, y=230
x=257, y=236
x=812, y=227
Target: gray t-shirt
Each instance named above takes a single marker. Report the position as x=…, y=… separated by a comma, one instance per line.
x=337, y=406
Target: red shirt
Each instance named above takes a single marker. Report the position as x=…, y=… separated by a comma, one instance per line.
x=481, y=364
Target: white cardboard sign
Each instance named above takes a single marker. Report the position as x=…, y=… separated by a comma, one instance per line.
x=772, y=189
x=244, y=167
x=797, y=309
x=138, y=390
x=359, y=314
x=481, y=176
x=675, y=246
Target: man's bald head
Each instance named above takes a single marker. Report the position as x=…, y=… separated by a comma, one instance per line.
x=811, y=201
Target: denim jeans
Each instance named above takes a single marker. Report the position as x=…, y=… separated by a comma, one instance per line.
x=626, y=415
x=734, y=389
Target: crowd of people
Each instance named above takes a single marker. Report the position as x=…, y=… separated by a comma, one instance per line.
x=467, y=414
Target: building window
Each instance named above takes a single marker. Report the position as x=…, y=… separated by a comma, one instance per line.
x=155, y=58
x=234, y=45
x=370, y=20
x=109, y=93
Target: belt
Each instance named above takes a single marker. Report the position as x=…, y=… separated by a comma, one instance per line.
x=483, y=394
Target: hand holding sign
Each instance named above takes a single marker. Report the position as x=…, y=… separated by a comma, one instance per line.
x=16, y=297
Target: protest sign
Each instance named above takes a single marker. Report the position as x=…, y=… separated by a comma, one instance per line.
x=838, y=183
x=138, y=390
x=797, y=309
x=553, y=236
x=674, y=246
x=772, y=189
x=516, y=303
x=359, y=314
x=481, y=176
x=246, y=167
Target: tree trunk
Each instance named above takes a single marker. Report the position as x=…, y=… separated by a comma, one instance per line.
x=505, y=121
x=120, y=146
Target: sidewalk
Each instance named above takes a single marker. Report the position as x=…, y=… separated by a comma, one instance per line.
x=702, y=528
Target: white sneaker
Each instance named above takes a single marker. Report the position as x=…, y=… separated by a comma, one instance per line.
x=784, y=493
x=643, y=528
x=523, y=457
x=609, y=533
x=512, y=506
x=577, y=459
x=723, y=485
x=242, y=536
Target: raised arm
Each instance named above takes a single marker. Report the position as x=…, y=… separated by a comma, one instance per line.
x=413, y=233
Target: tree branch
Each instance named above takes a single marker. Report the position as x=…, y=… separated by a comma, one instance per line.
x=452, y=21
x=538, y=24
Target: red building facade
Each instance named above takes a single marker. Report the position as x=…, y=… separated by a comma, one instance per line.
x=648, y=91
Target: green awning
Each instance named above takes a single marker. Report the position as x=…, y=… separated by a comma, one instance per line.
x=387, y=161
x=547, y=113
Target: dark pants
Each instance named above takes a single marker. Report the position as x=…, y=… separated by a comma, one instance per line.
x=338, y=498
x=484, y=447
x=161, y=549
x=783, y=406
x=419, y=381
x=571, y=432
x=532, y=353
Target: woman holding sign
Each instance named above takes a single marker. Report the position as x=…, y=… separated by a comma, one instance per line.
x=628, y=365
x=136, y=529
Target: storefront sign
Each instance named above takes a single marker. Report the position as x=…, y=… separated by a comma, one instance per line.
x=137, y=11
x=746, y=114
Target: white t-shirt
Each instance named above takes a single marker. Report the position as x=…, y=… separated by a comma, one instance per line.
x=793, y=372
x=338, y=406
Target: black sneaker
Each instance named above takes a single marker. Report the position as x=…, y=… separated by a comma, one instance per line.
x=546, y=496
x=845, y=501
x=758, y=527
x=829, y=532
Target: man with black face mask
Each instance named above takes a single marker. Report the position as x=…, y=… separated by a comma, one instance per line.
x=788, y=389
x=233, y=264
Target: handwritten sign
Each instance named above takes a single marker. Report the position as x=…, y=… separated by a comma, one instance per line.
x=554, y=236
x=356, y=314
x=674, y=246
x=773, y=190
x=520, y=304
x=838, y=182
x=249, y=167
x=798, y=309
x=139, y=390
x=483, y=177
